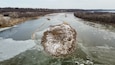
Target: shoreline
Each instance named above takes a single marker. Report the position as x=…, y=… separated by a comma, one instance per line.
x=104, y=18
x=15, y=21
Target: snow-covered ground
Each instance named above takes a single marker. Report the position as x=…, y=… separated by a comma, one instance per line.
x=10, y=48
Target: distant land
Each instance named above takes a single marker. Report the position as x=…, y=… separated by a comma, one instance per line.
x=9, y=9
x=12, y=16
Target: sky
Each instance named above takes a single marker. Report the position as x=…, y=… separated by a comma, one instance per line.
x=60, y=4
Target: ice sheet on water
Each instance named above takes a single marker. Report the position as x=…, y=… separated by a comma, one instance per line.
x=10, y=48
x=2, y=29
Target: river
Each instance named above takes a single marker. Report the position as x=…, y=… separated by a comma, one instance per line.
x=95, y=45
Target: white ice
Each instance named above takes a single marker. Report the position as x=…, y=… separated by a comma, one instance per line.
x=2, y=29
x=10, y=48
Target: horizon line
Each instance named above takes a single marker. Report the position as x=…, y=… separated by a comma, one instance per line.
x=61, y=8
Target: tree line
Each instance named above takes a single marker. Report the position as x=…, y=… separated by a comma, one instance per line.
x=98, y=17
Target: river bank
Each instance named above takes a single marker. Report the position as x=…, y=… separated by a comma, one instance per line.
x=13, y=16
x=13, y=21
x=9, y=20
x=105, y=18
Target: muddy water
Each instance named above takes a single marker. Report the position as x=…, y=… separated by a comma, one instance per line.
x=94, y=45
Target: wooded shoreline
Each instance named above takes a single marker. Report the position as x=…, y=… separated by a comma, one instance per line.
x=97, y=17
